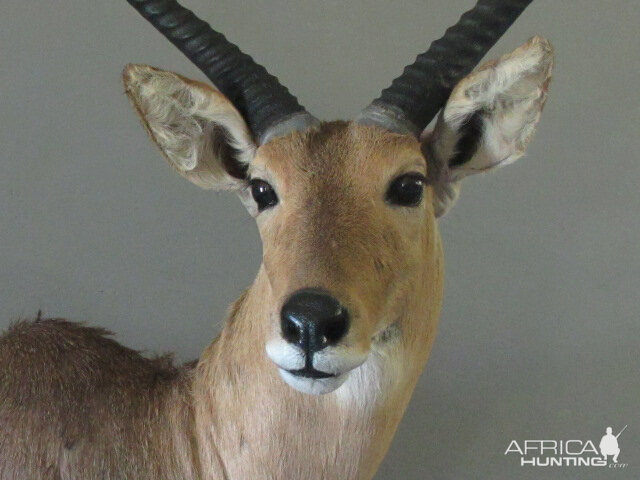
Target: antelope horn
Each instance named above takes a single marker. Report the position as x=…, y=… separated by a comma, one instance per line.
x=266, y=105
x=416, y=96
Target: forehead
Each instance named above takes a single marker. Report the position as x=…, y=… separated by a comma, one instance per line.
x=339, y=149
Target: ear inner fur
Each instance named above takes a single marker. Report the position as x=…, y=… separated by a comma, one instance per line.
x=489, y=119
x=197, y=129
x=469, y=141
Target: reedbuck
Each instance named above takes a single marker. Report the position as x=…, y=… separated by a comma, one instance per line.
x=319, y=357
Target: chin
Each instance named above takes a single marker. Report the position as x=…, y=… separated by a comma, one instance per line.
x=313, y=386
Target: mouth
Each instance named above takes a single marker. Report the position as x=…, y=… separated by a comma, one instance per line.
x=310, y=372
x=311, y=381
x=324, y=372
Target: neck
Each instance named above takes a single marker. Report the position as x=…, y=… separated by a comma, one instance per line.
x=250, y=424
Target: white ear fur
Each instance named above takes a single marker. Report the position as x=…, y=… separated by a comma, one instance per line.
x=492, y=113
x=194, y=125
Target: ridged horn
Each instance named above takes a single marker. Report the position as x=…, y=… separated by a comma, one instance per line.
x=416, y=96
x=266, y=105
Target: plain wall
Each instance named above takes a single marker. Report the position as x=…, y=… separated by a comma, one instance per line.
x=540, y=329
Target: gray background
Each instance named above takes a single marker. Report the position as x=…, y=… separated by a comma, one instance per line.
x=540, y=328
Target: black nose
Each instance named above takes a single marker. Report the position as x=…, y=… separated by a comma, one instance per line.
x=313, y=320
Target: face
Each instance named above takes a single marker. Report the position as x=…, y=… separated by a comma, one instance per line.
x=345, y=217
x=351, y=251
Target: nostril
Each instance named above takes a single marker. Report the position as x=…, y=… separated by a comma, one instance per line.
x=291, y=330
x=334, y=329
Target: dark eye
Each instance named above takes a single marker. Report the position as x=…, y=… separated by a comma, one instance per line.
x=263, y=194
x=406, y=190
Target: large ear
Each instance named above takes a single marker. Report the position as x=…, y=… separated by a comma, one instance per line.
x=489, y=119
x=197, y=129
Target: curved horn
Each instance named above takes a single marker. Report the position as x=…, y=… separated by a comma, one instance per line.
x=267, y=106
x=415, y=97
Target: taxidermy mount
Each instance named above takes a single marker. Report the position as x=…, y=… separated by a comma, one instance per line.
x=319, y=357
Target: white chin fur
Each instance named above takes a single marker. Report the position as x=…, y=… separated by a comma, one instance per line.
x=335, y=360
x=313, y=386
x=285, y=355
x=338, y=359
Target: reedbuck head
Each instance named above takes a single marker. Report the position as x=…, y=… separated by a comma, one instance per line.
x=346, y=210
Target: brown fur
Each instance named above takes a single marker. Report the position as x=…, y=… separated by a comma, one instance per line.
x=75, y=404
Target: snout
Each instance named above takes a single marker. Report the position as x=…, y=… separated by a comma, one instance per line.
x=310, y=352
